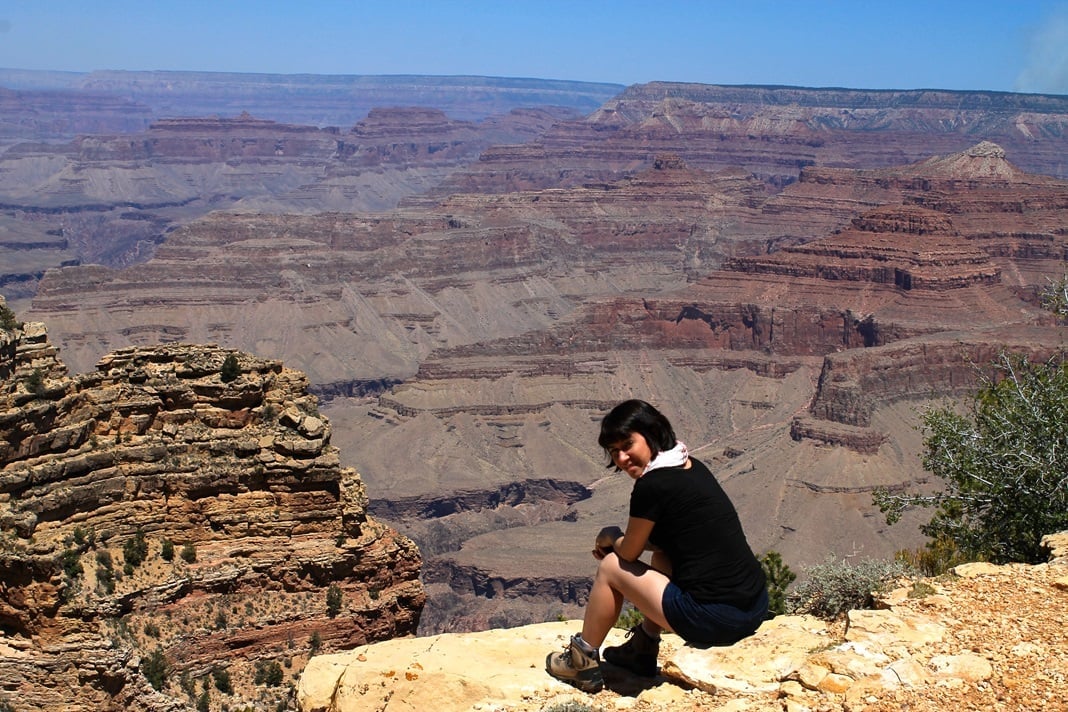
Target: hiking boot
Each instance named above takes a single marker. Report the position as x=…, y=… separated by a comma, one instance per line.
x=576, y=667
x=638, y=654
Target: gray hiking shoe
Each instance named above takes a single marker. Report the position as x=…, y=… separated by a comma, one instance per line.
x=576, y=667
x=638, y=654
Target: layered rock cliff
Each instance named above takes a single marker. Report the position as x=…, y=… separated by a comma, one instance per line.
x=792, y=337
x=774, y=133
x=176, y=524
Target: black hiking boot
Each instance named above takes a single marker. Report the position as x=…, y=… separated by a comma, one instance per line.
x=577, y=667
x=638, y=654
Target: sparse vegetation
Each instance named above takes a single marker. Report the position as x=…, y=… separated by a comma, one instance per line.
x=836, y=586
x=105, y=571
x=269, y=673
x=135, y=550
x=35, y=383
x=779, y=577
x=1054, y=297
x=333, y=600
x=314, y=643
x=189, y=553
x=155, y=667
x=188, y=685
x=231, y=369
x=936, y=558
x=8, y=322
x=921, y=589
x=629, y=617
x=166, y=550
x=572, y=706
x=221, y=676
x=72, y=565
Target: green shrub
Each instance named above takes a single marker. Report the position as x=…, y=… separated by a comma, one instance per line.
x=166, y=550
x=231, y=369
x=221, y=676
x=936, y=558
x=189, y=553
x=156, y=668
x=8, y=322
x=1004, y=465
x=269, y=673
x=315, y=642
x=135, y=549
x=72, y=565
x=629, y=617
x=35, y=383
x=834, y=587
x=333, y=600
x=779, y=577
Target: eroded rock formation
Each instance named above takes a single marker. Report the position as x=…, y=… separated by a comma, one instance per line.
x=176, y=515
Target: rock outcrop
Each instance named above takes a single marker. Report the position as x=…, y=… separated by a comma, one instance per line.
x=985, y=637
x=176, y=516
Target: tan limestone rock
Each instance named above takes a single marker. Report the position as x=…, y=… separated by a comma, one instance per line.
x=444, y=672
x=888, y=630
x=968, y=667
x=754, y=665
x=1058, y=546
x=978, y=568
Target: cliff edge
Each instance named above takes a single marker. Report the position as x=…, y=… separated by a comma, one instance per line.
x=985, y=637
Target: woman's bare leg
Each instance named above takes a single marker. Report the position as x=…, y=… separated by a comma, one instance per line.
x=615, y=581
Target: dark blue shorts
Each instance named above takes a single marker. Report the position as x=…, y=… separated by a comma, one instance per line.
x=711, y=623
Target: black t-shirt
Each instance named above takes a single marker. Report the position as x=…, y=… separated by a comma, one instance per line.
x=698, y=529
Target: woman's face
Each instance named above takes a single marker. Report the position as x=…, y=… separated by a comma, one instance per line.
x=632, y=454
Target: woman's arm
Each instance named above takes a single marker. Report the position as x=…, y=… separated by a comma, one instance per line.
x=636, y=539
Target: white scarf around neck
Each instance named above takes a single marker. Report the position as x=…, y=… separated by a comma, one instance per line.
x=674, y=457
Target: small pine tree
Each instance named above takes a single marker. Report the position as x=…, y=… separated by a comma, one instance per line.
x=779, y=577
x=8, y=322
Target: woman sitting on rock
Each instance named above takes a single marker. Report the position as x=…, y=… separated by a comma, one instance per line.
x=704, y=583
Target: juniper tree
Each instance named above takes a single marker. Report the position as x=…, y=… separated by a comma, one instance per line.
x=1004, y=464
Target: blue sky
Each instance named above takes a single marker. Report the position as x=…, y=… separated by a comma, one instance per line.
x=1002, y=45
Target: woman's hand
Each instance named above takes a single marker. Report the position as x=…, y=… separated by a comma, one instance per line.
x=605, y=542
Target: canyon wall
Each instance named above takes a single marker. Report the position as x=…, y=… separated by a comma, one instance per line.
x=792, y=275
x=176, y=516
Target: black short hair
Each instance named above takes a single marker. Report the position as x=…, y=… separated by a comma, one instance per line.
x=636, y=416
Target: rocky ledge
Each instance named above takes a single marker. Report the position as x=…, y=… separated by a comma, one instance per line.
x=178, y=518
x=985, y=637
